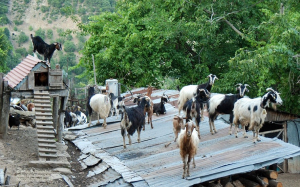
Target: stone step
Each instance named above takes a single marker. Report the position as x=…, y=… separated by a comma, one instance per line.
x=44, y=127
x=41, y=118
x=43, y=109
x=47, y=101
x=43, y=114
x=47, y=145
x=49, y=164
x=44, y=122
x=45, y=132
x=40, y=140
x=45, y=105
x=46, y=136
x=41, y=97
x=47, y=155
x=44, y=150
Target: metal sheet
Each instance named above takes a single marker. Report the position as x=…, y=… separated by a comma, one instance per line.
x=150, y=163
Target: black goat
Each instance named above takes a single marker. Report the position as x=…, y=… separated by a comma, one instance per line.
x=68, y=120
x=159, y=108
x=224, y=104
x=14, y=120
x=133, y=119
x=91, y=93
x=192, y=107
x=43, y=48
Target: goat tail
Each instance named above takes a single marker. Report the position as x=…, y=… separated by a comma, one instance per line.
x=31, y=36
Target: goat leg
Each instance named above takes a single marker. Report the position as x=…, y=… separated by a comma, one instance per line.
x=194, y=162
x=129, y=139
x=104, y=123
x=244, y=134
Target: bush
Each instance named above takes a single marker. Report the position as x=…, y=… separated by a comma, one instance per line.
x=45, y=9
x=22, y=51
x=49, y=33
x=40, y=32
x=30, y=28
x=22, y=38
x=69, y=46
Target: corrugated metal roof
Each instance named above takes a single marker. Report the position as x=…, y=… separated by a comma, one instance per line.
x=16, y=75
x=150, y=163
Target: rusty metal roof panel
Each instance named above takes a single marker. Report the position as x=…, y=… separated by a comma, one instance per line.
x=16, y=75
x=156, y=161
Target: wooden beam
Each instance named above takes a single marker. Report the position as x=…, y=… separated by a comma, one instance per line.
x=5, y=110
x=55, y=108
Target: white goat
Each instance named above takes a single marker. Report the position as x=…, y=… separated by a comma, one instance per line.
x=101, y=105
x=188, y=144
x=252, y=111
x=187, y=92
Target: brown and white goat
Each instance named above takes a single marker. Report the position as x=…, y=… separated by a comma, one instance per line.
x=188, y=144
x=31, y=107
x=177, y=126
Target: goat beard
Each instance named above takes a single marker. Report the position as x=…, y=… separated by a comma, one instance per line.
x=274, y=106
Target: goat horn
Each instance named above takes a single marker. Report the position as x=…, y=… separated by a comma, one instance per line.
x=247, y=85
x=239, y=84
x=270, y=89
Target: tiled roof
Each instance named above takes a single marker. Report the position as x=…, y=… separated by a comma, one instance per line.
x=16, y=75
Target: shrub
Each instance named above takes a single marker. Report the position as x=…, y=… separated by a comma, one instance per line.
x=49, y=33
x=40, y=32
x=69, y=46
x=30, y=28
x=22, y=38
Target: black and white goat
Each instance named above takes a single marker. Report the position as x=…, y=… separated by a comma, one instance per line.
x=253, y=111
x=223, y=104
x=133, y=119
x=98, y=103
x=116, y=101
x=159, y=108
x=192, y=107
x=68, y=120
x=43, y=48
x=78, y=117
x=187, y=92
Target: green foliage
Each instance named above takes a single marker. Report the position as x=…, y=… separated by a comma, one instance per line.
x=45, y=9
x=49, y=33
x=69, y=37
x=69, y=46
x=4, y=49
x=22, y=38
x=22, y=51
x=30, y=28
x=41, y=33
x=18, y=22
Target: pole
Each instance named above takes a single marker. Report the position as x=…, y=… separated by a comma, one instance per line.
x=94, y=69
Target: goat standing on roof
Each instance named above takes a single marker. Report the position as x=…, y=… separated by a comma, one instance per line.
x=253, y=111
x=43, y=48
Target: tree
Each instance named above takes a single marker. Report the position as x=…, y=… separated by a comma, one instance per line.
x=23, y=38
x=5, y=46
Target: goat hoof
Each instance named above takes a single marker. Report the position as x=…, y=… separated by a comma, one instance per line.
x=245, y=136
x=236, y=136
x=258, y=140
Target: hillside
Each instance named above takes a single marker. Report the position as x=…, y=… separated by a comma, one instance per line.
x=50, y=20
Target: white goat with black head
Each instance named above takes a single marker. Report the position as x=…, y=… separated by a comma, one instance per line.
x=133, y=119
x=187, y=92
x=223, y=104
x=43, y=48
x=192, y=107
x=253, y=111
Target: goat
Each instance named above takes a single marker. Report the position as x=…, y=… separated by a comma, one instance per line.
x=187, y=92
x=68, y=120
x=31, y=107
x=98, y=103
x=252, y=111
x=159, y=108
x=192, y=107
x=43, y=48
x=133, y=119
x=148, y=109
x=188, y=144
x=177, y=126
x=223, y=104
x=78, y=118
x=115, y=102
x=14, y=120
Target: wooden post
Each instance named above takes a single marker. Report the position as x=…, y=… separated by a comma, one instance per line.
x=94, y=70
x=63, y=104
x=285, y=139
x=1, y=100
x=5, y=109
x=55, y=108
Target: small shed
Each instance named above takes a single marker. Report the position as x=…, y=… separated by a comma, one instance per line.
x=34, y=74
x=34, y=79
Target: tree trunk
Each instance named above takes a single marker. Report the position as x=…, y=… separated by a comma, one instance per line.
x=270, y=174
x=248, y=183
x=237, y=183
x=273, y=183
